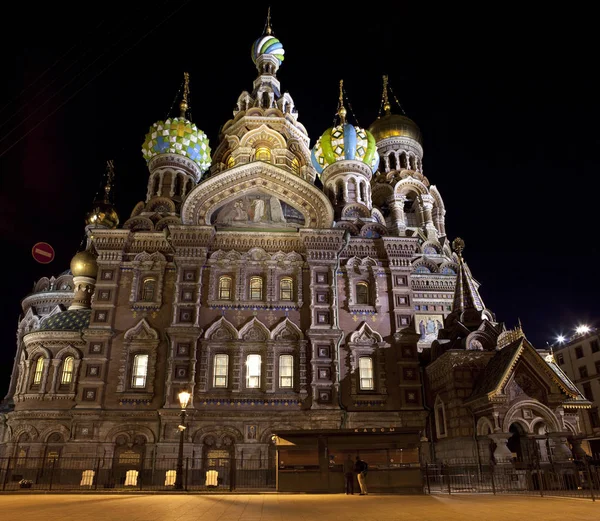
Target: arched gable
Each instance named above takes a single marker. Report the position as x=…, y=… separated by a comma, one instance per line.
x=263, y=136
x=130, y=431
x=514, y=414
x=287, y=331
x=222, y=329
x=365, y=335
x=69, y=351
x=410, y=184
x=141, y=331
x=254, y=331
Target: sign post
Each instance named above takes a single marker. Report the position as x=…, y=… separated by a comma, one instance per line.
x=42, y=252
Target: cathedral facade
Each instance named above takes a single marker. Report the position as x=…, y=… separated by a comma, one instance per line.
x=287, y=288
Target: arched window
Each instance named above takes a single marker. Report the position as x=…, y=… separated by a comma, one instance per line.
x=39, y=371
x=362, y=293
x=263, y=154
x=67, y=370
x=148, y=289
x=220, y=370
x=286, y=289
x=286, y=371
x=225, y=285
x=365, y=369
x=256, y=288
x=230, y=162
x=295, y=166
x=139, y=372
x=253, y=363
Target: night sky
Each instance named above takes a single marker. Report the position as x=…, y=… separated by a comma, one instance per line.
x=506, y=99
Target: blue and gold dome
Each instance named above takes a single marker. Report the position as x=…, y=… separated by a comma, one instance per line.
x=345, y=142
x=267, y=44
x=69, y=320
x=178, y=136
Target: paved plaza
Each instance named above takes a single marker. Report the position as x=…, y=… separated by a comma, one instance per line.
x=289, y=507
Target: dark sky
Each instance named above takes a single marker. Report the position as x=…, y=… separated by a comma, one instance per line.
x=507, y=101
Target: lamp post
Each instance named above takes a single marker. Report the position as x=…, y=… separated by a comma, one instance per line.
x=184, y=398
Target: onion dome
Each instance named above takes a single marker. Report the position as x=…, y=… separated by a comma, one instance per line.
x=103, y=214
x=345, y=142
x=393, y=125
x=267, y=44
x=177, y=136
x=84, y=264
x=69, y=320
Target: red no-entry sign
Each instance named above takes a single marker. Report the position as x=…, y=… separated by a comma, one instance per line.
x=42, y=252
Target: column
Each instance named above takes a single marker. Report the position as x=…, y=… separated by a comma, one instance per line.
x=396, y=204
x=502, y=454
x=561, y=452
x=427, y=205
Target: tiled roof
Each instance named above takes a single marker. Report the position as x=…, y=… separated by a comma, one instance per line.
x=69, y=320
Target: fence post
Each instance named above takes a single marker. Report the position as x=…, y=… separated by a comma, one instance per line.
x=6, y=474
x=589, y=478
x=185, y=477
x=427, y=478
x=97, y=474
x=52, y=473
x=492, y=476
x=232, y=474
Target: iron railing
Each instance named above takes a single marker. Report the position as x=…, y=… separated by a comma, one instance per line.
x=74, y=473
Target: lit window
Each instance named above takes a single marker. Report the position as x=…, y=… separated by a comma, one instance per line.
x=39, y=369
x=148, y=290
x=365, y=368
x=253, y=363
x=230, y=162
x=225, y=285
x=296, y=165
x=140, y=371
x=263, y=154
x=362, y=293
x=286, y=371
x=67, y=370
x=256, y=288
x=220, y=376
x=286, y=289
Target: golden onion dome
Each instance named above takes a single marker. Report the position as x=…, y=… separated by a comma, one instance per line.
x=84, y=264
x=102, y=215
x=395, y=125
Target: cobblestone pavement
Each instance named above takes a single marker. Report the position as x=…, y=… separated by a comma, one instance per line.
x=289, y=507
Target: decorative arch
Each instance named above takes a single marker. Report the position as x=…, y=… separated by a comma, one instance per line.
x=428, y=245
x=139, y=223
x=130, y=431
x=219, y=431
x=484, y=426
x=262, y=136
x=141, y=331
x=33, y=352
x=410, y=184
x=42, y=285
x=254, y=331
x=256, y=254
x=163, y=223
x=28, y=429
x=69, y=350
x=543, y=411
x=365, y=335
x=437, y=197
x=286, y=330
x=426, y=264
x=222, y=329
x=213, y=193
x=60, y=429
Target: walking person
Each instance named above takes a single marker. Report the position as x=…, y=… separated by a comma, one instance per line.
x=349, y=475
x=361, y=468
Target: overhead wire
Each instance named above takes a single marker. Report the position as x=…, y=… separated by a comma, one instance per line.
x=181, y=6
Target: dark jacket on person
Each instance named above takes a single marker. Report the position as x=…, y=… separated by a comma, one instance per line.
x=348, y=466
x=360, y=466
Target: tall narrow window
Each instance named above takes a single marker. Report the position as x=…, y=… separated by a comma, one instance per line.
x=39, y=370
x=140, y=371
x=286, y=371
x=362, y=293
x=225, y=285
x=253, y=363
x=148, y=290
x=220, y=370
x=286, y=289
x=67, y=370
x=256, y=288
x=365, y=369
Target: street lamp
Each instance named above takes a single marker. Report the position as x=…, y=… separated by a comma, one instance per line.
x=184, y=398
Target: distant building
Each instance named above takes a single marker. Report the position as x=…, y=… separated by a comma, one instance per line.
x=579, y=358
x=295, y=292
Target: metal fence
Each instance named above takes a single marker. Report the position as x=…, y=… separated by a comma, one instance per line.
x=72, y=473
x=575, y=479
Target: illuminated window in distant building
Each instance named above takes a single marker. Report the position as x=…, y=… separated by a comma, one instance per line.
x=286, y=289
x=67, y=370
x=256, y=288
x=225, y=285
x=286, y=371
x=140, y=371
x=253, y=363
x=365, y=369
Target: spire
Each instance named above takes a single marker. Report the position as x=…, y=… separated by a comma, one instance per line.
x=268, y=29
x=103, y=213
x=386, y=101
x=183, y=106
x=468, y=306
x=341, y=109
x=110, y=176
